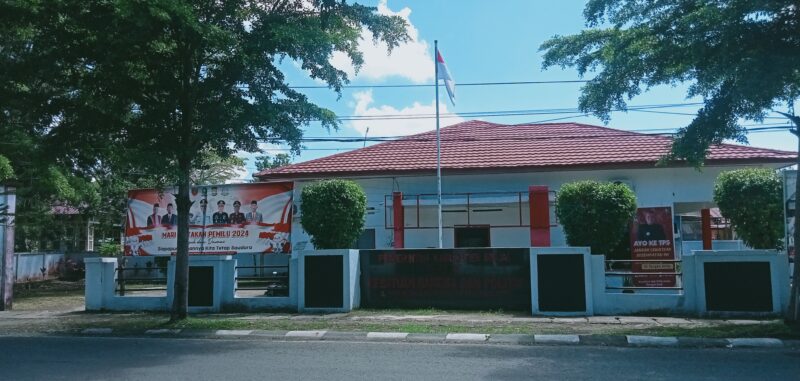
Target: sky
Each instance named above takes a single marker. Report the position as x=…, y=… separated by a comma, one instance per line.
x=481, y=42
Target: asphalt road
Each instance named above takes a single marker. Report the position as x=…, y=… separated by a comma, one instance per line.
x=96, y=358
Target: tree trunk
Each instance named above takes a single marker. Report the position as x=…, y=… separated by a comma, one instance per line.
x=180, y=303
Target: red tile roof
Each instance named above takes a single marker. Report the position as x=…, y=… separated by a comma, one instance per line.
x=478, y=145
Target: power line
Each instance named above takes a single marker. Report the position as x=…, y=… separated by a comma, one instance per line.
x=360, y=139
x=522, y=112
x=466, y=84
x=571, y=136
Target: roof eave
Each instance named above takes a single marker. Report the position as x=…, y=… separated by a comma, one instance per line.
x=272, y=177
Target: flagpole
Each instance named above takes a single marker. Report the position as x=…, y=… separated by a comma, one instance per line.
x=438, y=143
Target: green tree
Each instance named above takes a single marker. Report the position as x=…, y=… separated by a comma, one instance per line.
x=752, y=198
x=333, y=213
x=214, y=169
x=6, y=170
x=166, y=79
x=277, y=161
x=595, y=214
x=739, y=56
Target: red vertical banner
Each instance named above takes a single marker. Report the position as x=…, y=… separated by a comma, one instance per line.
x=398, y=220
x=705, y=218
x=539, y=204
x=652, y=240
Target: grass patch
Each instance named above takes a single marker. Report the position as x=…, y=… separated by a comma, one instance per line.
x=49, y=295
x=143, y=321
x=436, y=311
x=776, y=330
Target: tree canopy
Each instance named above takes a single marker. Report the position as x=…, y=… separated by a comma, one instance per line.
x=272, y=162
x=213, y=169
x=740, y=56
x=146, y=85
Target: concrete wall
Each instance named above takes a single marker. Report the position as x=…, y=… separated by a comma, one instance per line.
x=779, y=272
x=653, y=187
x=690, y=300
x=28, y=266
x=100, y=284
x=351, y=287
x=101, y=280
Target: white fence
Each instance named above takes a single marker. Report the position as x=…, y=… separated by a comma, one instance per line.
x=770, y=274
x=36, y=266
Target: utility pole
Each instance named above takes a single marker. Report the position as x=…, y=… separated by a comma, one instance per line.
x=7, y=211
x=794, y=306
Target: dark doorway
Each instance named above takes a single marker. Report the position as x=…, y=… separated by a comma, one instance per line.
x=738, y=286
x=472, y=236
x=323, y=277
x=366, y=241
x=561, y=284
x=201, y=286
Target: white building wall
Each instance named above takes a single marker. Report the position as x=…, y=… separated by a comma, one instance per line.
x=653, y=187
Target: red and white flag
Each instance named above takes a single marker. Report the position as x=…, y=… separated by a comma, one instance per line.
x=444, y=74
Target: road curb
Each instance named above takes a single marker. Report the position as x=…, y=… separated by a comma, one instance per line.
x=755, y=343
x=557, y=339
x=467, y=337
x=652, y=341
x=388, y=336
x=452, y=338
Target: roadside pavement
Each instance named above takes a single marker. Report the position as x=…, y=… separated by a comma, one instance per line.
x=418, y=326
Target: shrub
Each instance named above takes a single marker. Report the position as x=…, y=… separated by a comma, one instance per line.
x=333, y=213
x=6, y=171
x=595, y=214
x=751, y=198
x=109, y=248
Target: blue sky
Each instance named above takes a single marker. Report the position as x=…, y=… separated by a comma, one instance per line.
x=481, y=42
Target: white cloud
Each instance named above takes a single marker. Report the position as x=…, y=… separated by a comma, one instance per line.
x=412, y=60
x=364, y=107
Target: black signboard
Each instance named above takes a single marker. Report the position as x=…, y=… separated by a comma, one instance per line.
x=561, y=285
x=324, y=277
x=474, y=278
x=738, y=286
x=201, y=286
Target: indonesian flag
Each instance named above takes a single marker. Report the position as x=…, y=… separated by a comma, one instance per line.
x=444, y=74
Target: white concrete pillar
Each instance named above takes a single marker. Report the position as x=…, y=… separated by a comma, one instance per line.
x=100, y=282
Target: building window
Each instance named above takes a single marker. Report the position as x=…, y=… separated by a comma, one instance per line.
x=472, y=236
x=90, y=238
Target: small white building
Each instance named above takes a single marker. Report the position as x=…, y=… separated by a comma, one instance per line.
x=487, y=170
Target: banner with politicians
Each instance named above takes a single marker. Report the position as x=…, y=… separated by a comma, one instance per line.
x=223, y=220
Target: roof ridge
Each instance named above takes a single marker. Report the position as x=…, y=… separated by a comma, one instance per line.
x=406, y=137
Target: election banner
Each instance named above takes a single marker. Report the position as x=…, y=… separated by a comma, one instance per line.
x=223, y=220
x=652, y=240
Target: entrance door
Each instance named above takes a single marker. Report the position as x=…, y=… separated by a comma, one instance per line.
x=366, y=241
x=472, y=236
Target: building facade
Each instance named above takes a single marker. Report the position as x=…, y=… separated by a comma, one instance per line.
x=488, y=170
